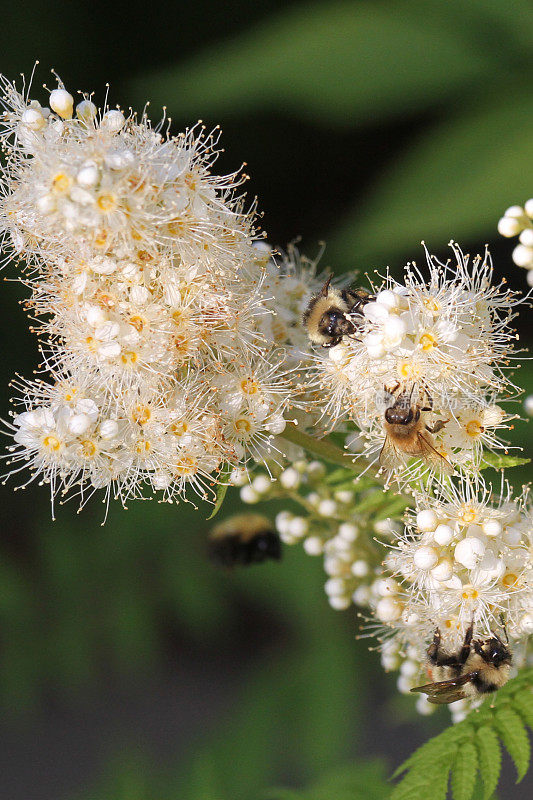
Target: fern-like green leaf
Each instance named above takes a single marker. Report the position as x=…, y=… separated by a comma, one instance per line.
x=525, y=708
x=420, y=784
x=472, y=748
x=464, y=772
x=489, y=759
x=512, y=731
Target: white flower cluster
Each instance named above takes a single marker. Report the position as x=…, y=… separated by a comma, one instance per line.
x=463, y=556
x=518, y=221
x=443, y=343
x=146, y=276
x=334, y=525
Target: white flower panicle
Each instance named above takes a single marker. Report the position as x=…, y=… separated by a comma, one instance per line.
x=148, y=287
x=466, y=554
x=518, y=221
x=173, y=351
x=444, y=342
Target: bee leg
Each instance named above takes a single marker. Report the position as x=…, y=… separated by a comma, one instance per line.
x=438, y=426
x=464, y=652
x=434, y=647
x=438, y=658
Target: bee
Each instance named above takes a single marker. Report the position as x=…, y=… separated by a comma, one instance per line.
x=326, y=316
x=244, y=539
x=408, y=434
x=478, y=668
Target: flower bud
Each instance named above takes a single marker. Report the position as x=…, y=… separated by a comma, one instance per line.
x=86, y=111
x=113, y=121
x=33, y=119
x=426, y=520
x=62, y=103
x=388, y=609
x=313, y=545
x=443, y=535
x=469, y=551
x=425, y=557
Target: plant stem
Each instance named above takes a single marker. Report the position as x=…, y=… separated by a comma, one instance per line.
x=321, y=448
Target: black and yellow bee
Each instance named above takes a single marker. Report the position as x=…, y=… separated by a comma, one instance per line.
x=244, y=539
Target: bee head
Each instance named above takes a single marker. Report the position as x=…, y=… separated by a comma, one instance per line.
x=402, y=414
x=496, y=652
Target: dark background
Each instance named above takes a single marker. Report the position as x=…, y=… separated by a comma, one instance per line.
x=129, y=667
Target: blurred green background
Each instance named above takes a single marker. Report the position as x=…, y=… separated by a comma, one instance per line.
x=130, y=669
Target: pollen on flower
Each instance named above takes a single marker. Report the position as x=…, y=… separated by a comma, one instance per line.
x=439, y=343
x=148, y=282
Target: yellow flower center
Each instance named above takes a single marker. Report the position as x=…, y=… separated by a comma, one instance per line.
x=432, y=304
x=143, y=447
x=61, y=183
x=249, y=386
x=141, y=414
x=468, y=515
x=138, y=323
x=509, y=579
x=427, y=342
x=51, y=443
x=407, y=369
x=70, y=393
x=469, y=593
x=100, y=239
x=179, y=428
x=88, y=448
x=474, y=428
x=129, y=358
x=106, y=202
x=243, y=425
x=186, y=466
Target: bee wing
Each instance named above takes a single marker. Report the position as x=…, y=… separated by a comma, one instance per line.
x=390, y=456
x=445, y=691
x=431, y=455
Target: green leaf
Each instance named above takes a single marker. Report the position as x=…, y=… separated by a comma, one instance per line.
x=345, y=62
x=525, y=708
x=464, y=772
x=497, y=461
x=471, y=746
x=222, y=489
x=490, y=758
x=456, y=180
x=431, y=782
x=515, y=738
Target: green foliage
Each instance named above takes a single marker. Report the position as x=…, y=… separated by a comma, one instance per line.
x=222, y=489
x=472, y=748
x=456, y=180
x=353, y=63
x=343, y=62
x=497, y=461
x=360, y=781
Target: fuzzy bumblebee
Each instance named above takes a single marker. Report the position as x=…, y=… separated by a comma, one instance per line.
x=244, y=539
x=326, y=317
